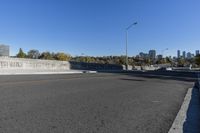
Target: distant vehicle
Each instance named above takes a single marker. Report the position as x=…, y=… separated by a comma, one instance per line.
x=169, y=69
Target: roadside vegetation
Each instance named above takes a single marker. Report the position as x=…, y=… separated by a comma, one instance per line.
x=197, y=60
x=120, y=60
x=35, y=54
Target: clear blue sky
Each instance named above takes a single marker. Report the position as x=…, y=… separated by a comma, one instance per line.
x=97, y=27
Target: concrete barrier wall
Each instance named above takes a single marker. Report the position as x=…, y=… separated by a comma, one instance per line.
x=21, y=65
x=18, y=64
x=94, y=66
x=198, y=81
x=175, y=73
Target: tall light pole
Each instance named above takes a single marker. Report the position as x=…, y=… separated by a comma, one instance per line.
x=135, y=23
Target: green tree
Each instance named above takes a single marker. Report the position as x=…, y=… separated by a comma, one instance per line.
x=33, y=54
x=46, y=56
x=181, y=62
x=168, y=60
x=131, y=61
x=197, y=60
x=147, y=61
x=21, y=54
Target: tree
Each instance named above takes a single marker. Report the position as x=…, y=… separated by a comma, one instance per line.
x=197, y=60
x=168, y=60
x=33, y=54
x=147, y=61
x=181, y=62
x=21, y=54
x=46, y=55
x=62, y=57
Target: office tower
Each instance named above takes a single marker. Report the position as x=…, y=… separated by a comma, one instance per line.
x=143, y=55
x=184, y=54
x=160, y=57
x=152, y=54
x=178, y=54
x=197, y=52
x=189, y=55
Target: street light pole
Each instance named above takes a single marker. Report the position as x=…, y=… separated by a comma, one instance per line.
x=135, y=23
x=126, y=50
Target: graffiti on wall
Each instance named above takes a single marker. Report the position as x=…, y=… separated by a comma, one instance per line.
x=13, y=63
x=7, y=64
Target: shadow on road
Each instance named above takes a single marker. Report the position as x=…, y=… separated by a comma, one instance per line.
x=166, y=75
x=192, y=123
x=127, y=79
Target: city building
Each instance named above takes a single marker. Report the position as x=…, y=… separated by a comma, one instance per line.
x=160, y=57
x=178, y=54
x=184, y=54
x=197, y=52
x=4, y=50
x=152, y=54
x=192, y=55
x=144, y=55
x=189, y=55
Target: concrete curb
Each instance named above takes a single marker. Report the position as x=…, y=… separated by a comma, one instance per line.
x=177, y=126
x=47, y=73
x=197, y=83
x=188, y=117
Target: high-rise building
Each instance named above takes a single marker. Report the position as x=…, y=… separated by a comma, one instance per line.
x=178, y=54
x=189, y=55
x=152, y=54
x=184, y=54
x=143, y=55
x=197, y=52
x=160, y=57
x=4, y=50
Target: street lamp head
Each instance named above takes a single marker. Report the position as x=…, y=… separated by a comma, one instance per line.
x=135, y=23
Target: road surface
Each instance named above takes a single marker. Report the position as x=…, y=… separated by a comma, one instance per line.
x=89, y=103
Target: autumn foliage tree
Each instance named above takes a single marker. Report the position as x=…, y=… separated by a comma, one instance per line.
x=62, y=57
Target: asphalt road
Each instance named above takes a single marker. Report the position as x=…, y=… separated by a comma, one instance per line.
x=89, y=103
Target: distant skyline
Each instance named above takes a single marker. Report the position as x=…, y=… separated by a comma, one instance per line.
x=97, y=27
x=179, y=53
